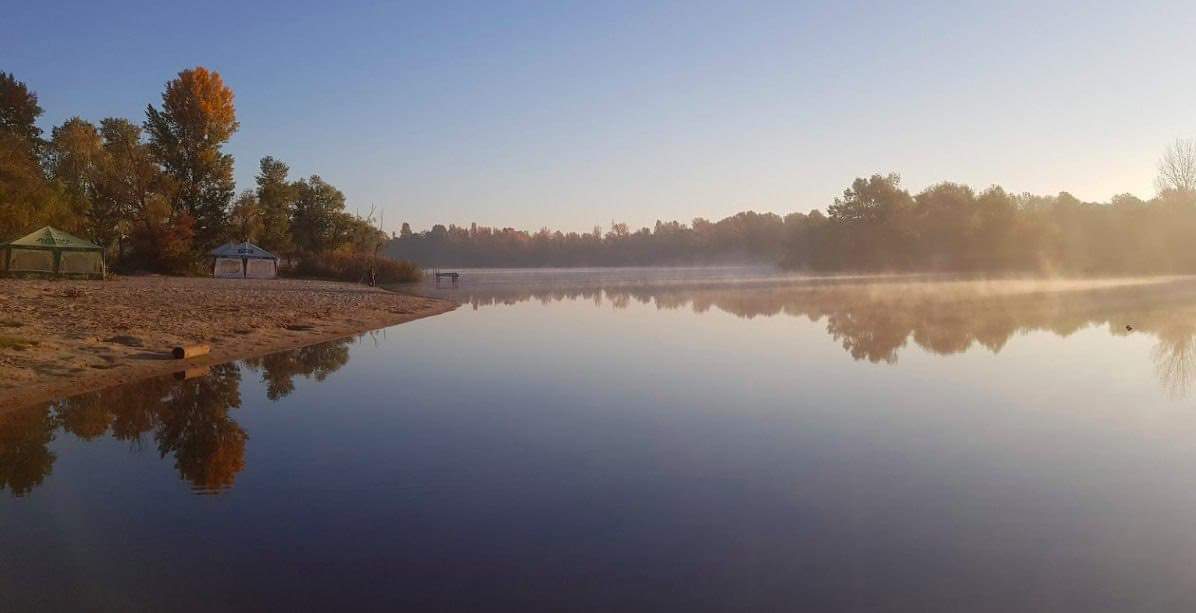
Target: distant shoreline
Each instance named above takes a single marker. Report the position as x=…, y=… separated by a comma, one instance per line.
x=61, y=338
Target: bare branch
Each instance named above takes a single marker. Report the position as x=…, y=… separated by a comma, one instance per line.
x=1177, y=168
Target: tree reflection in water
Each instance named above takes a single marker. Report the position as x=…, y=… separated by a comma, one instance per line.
x=874, y=320
x=1173, y=358
x=25, y=456
x=316, y=362
x=208, y=446
x=189, y=419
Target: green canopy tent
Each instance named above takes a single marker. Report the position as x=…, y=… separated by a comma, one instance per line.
x=50, y=251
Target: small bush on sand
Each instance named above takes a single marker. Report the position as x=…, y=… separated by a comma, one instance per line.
x=354, y=268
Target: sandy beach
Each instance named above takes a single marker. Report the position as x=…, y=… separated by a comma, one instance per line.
x=59, y=338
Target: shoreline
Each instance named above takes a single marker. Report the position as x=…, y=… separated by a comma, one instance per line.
x=112, y=364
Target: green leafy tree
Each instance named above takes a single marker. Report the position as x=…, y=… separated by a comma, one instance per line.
x=998, y=232
x=19, y=111
x=132, y=192
x=276, y=201
x=76, y=159
x=26, y=198
x=869, y=228
x=875, y=200
x=319, y=222
x=245, y=220
x=945, y=220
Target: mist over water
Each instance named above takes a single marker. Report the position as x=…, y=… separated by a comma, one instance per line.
x=645, y=439
x=873, y=315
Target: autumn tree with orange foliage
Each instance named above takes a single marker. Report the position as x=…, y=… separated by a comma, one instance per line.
x=185, y=136
x=159, y=195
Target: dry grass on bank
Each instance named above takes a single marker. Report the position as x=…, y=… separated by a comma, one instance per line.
x=354, y=268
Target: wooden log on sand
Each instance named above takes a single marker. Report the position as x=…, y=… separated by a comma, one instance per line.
x=190, y=351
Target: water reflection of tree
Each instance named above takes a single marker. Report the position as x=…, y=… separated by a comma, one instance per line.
x=1173, y=356
x=208, y=446
x=314, y=362
x=872, y=335
x=25, y=456
x=876, y=321
x=87, y=417
x=189, y=420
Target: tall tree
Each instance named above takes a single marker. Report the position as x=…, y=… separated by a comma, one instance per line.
x=276, y=202
x=996, y=242
x=319, y=221
x=26, y=198
x=76, y=157
x=196, y=119
x=869, y=223
x=130, y=184
x=945, y=218
x=245, y=220
x=140, y=196
x=877, y=199
x=19, y=110
x=1177, y=168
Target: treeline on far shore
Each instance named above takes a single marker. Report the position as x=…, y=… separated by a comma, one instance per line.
x=743, y=238
x=875, y=226
x=158, y=194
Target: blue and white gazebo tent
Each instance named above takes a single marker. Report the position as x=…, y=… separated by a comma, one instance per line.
x=243, y=260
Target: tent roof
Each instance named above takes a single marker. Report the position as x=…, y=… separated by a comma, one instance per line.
x=53, y=238
x=242, y=250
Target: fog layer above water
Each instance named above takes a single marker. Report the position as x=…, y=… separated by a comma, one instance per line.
x=875, y=318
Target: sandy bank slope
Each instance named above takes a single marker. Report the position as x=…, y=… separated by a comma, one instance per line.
x=63, y=337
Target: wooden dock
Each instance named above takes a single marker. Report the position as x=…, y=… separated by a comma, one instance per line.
x=452, y=276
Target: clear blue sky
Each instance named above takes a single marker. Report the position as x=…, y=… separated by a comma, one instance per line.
x=570, y=114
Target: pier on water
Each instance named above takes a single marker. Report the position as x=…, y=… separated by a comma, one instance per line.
x=452, y=276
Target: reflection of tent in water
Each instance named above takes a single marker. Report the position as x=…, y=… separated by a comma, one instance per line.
x=53, y=252
x=237, y=260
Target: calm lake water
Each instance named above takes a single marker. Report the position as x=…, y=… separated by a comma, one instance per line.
x=642, y=440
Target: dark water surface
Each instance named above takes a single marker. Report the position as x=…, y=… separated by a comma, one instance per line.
x=642, y=440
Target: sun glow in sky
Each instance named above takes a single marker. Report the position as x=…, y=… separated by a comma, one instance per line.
x=569, y=115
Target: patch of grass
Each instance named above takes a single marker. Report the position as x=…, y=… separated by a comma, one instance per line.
x=19, y=344
x=10, y=323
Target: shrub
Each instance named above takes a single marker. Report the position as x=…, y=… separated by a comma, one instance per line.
x=165, y=247
x=354, y=268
